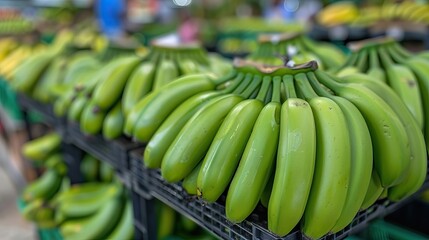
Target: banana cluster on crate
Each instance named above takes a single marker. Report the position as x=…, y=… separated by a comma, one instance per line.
x=97, y=209
x=348, y=13
x=12, y=54
x=388, y=64
x=312, y=147
x=296, y=48
x=173, y=225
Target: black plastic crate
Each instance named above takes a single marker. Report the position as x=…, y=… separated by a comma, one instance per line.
x=45, y=110
x=211, y=216
x=114, y=152
x=413, y=216
x=144, y=217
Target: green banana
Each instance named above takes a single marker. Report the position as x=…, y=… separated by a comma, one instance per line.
x=109, y=91
x=164, y=136
x=183, y=154
x=416, y=171
x=404, y=83
x=138, y=85
x=40, y=148
x=330, y=56
x=190, y=181
x=81, y=192
x=375, y=70
x=62, y=104
x=259, y=154
x=347, y=71
x=43, y=188
x=187, y=66
x=107, y=173
x=124, y=229
x=331, y=178
x=166, y=99
x=102, y=223
x=113, y=124
x=228, y=145
x=361, y=156
x=294, y=166
x=49, y=78
x=91, y=121
x=166, y=73
x=374, y=191
x=76, y=107
x=388, y=135
x=29, y=72
x=79, y=64
x=44, y=217
x=89, y=167
x=79, y=206
x=73, y=226
x=166, y=221
x=266, y=194
x=421, y=71
x=134, y=114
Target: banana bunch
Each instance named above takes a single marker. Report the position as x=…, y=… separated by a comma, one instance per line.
x=39, y=193
x=407, y=11
x=13, y=59
x=330, y=148
x=102, y=102
x=407, y=75
x=7, y=45
x=95, y=210
x=41, y=148
x=93, y=169
x=298, y=49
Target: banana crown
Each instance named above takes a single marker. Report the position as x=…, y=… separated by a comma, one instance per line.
x=298, y=48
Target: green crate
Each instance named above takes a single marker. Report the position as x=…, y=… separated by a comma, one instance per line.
x=9, y=102
x=43, y=234
x=382, y=230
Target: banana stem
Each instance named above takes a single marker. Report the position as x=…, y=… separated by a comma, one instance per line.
x=327, y=80
x=276, y=89
x=395, y=55
x=256, y=81
x=266, y=82
x=243, y=85
x=362, y=60
x=226, y=78
x=317, y=85
x=401, y=51
x=304, y=86
x=351, y=61
x=385, y=59
x=289, y=86
x=234, y=83
x=374, y=62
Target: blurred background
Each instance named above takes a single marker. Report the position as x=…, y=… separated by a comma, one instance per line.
x=226, y=28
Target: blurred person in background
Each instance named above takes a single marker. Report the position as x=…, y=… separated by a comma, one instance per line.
x=111, y=16
x=189, y=28
x=277, y=11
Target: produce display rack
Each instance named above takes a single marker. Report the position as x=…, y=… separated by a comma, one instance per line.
x=45, y=110
x=146, y=185
x=211, y=216
x=114, y=152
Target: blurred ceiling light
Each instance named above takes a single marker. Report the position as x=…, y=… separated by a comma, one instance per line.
x=182, y=3
x=291, y=5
